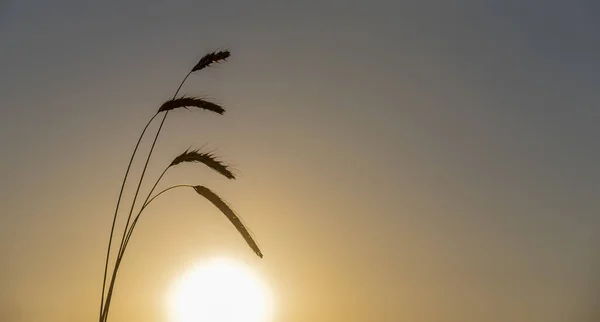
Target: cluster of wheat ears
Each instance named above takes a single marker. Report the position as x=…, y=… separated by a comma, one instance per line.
x=197, y=156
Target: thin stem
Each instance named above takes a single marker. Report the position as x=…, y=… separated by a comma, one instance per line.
x=144, y=207
x=181, y=84
x=169, y=188
x=114, y=275
x=122, y=253
x=112, y=229
x=137, y=191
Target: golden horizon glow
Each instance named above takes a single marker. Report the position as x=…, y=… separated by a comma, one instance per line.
x=220, y=290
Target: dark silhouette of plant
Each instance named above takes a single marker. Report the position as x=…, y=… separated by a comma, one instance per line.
x=195, y=156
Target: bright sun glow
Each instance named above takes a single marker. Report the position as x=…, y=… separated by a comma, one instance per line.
x=220, y=290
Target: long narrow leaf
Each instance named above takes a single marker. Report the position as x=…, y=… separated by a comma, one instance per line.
x=230, y=214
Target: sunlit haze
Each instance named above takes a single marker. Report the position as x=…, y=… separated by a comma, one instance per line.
x=396, y=161
x=220, y=290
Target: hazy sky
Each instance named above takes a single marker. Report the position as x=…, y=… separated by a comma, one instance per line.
x=422, y=161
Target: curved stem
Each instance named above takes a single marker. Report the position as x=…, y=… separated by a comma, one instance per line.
x=137, y=191
x=169, y=188
x=122, y=253
x=144, y=207
x=114, y=275
x=181, y=84
x=112, y=229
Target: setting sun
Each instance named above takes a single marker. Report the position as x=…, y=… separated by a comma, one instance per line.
x=220, y=290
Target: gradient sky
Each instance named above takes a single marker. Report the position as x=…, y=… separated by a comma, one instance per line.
x=422, y=161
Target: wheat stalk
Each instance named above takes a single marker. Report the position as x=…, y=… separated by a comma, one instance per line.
x=182, y=102
x=207, y=158
x=112, y=229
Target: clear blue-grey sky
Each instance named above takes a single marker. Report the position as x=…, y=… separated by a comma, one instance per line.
x=423, y=161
